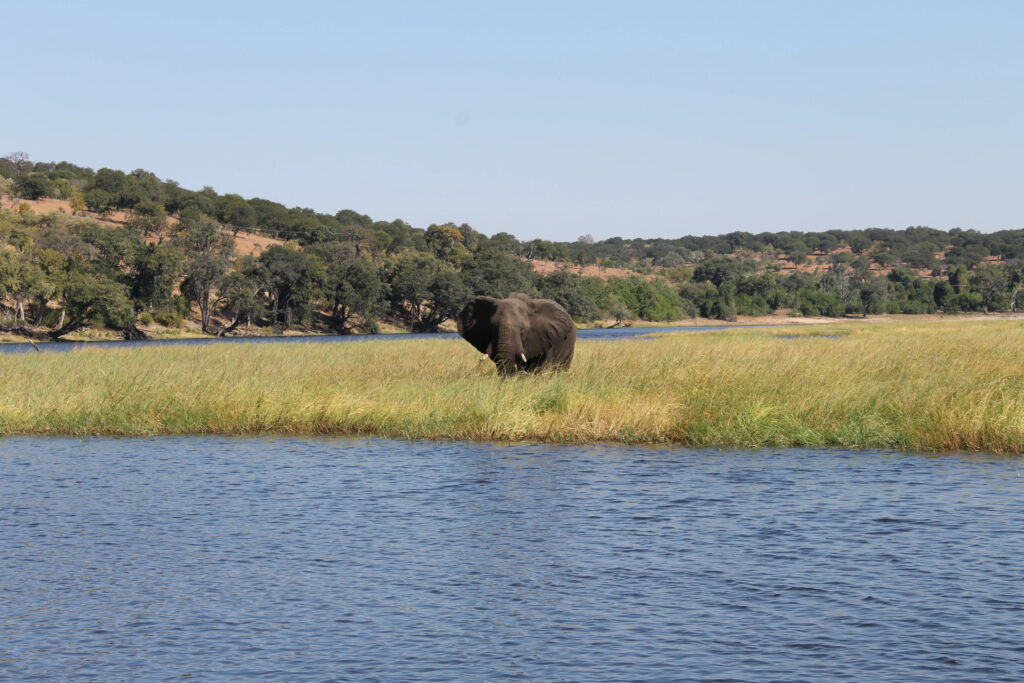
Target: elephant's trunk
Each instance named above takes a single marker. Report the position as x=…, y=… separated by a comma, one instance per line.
x=509, y=350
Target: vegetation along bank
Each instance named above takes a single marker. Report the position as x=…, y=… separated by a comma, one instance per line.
x=950, y=385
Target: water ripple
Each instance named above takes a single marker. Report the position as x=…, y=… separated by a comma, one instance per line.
x=332, y=559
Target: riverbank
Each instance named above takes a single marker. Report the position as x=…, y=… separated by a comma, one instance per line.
x=923, y=386
x=192, y=331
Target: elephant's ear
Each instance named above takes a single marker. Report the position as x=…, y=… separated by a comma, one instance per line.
x=550, y=328
x=474, y=322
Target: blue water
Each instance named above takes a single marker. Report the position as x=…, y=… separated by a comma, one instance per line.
x=611, y=333
x=333, y=559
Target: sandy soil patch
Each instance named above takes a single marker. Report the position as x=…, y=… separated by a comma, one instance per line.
x=245, y=242
x=543, y=267
x=253, y=244
x=783, y=317
x=48, y=205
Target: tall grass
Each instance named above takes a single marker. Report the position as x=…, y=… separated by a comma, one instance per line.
x=929, y=386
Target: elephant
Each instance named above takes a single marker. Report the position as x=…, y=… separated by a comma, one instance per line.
x=519, y=333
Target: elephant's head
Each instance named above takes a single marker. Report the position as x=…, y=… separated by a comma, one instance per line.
x=519, y=333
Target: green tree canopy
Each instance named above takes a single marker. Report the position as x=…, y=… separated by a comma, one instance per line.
x=33, y=186
x=425, y=291
x=497, y=274
x=292, y=279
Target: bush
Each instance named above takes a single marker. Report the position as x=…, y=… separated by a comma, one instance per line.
x=167, y=318
x=913, y=306
x=173, y=315
x=755, y=304
x=813, y=302
x=967, y=301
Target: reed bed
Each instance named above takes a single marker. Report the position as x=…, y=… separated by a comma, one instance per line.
x=930, y=386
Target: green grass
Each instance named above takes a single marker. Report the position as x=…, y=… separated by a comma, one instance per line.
x=928, y=386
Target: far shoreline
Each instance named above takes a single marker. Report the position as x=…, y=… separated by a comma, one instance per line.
x=157, y=333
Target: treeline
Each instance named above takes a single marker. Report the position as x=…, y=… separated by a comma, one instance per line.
x=142, y=193
x=175, y=254
x=915, y=247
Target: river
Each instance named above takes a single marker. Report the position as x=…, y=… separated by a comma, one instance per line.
x=607, y=333
x=288, y=559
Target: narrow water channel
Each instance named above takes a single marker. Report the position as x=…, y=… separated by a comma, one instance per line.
x=609, y=333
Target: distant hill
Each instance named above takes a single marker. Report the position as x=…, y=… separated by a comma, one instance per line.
x=122, y=249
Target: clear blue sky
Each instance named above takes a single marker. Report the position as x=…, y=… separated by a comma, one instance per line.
x=542, y=119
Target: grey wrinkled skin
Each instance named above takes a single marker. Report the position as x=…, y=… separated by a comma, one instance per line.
x=519, y=333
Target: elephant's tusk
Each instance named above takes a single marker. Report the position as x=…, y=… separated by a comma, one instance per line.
x=523, y=356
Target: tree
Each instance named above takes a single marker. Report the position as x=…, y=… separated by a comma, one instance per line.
x=207, y=257
x=33, y=186
x=719, y=269
x=799, y=252
x=202, y=273
x=968, y=256
x=113, y=248
x=1016, y=283
x=92, y=297
x=859, y=242
x=148, y=217
x=60, y=253
x=109, y=180
x=175, y=197
x=23, y=280
x=154, y=272
x=131, y=195
x=350, y=217
x=19, y=161
x=503, y=241
x=959, y=278
x=240, y=293
x=446, y=242
x=144, y=187
x=292, y=278
x=355, y=237
x=235, y=213
x=425, y=291
x=618, y=311
x=99, y=200
x=724, y=307
x=943, y=294
x=567, y=289
x=873, y=291
x=354, y=288
x=992, y=283
x=391, y=238
x=78, y=205
x=838, y=280
x=544, y=249
x=497, y=274
x=199, y=234
x=471, y=239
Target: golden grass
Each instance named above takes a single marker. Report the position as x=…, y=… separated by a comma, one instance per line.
x=929, y=386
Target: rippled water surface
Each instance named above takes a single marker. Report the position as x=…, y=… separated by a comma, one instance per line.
x=314, y=560
x=605, y=333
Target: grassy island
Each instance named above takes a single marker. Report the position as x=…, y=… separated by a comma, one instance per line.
x=929, y=386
